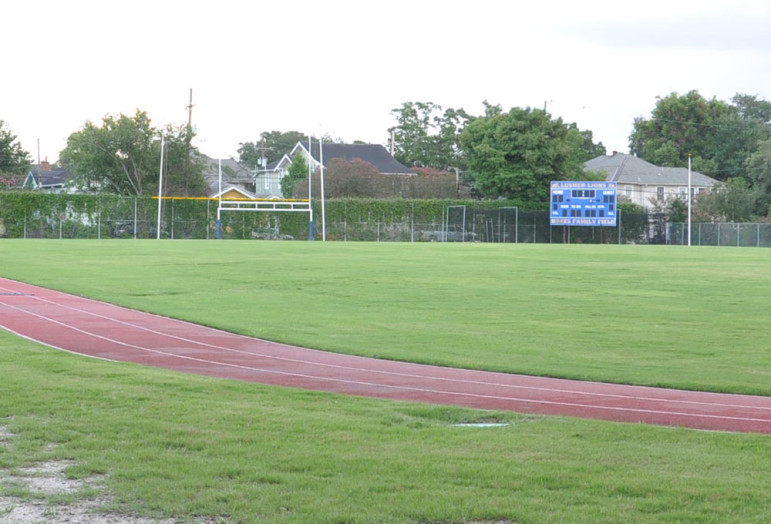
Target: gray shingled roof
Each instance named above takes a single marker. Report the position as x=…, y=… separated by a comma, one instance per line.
x=375, y=154
x=629, y=169
x=52, y=178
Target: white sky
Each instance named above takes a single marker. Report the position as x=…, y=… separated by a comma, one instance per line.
x=341, y=66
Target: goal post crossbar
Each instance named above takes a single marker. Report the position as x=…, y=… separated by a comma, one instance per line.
x=302, y=206
x=265, y=205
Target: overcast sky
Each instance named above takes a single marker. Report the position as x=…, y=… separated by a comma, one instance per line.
x=340, y=66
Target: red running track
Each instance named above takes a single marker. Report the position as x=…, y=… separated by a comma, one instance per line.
x=98, y=329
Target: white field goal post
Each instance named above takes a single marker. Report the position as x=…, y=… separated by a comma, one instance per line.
x=300, y=206
x=269, y=205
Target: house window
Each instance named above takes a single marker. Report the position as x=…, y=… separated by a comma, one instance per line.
x=660, y=192
x=628, y=192
x=682, y=191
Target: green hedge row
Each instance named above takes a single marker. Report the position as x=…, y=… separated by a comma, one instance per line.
x=60, y=215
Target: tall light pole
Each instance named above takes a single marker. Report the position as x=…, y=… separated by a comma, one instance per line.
x=311, y=233
x=323, y=213
x=160, y=192
x=689, y=199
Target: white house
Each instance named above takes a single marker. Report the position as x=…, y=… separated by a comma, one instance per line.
x=644, y=183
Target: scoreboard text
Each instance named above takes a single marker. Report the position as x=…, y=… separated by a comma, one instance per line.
x=583, y=204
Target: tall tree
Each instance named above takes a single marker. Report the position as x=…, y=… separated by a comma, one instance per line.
x=517, y=154
x=14, y=160
x=183, y=165
x=123, y=156
x=428, y=136
x=584, y=146
x=298, y=170
x=116, y=156
x=719, y=136
x=758, y=167
x=750, y=107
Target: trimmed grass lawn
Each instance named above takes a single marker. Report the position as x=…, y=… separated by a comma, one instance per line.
x=174, y=445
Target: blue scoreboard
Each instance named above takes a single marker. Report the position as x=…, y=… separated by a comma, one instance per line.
x=583, y=204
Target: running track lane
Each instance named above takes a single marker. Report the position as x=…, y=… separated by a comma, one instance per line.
x=98, y=329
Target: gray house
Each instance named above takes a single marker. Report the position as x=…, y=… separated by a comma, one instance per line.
x=644, y=183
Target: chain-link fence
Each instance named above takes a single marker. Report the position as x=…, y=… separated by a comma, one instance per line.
x=29, y=215
x=720, y=234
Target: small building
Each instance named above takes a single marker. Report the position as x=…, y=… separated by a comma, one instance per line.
x=643, y=183
x=230, y=192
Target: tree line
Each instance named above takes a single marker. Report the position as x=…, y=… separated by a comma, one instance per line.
x=511, y=154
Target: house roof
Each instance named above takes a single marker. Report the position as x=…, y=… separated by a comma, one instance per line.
x=47, y=179
x=628, y=169
x=375, y=154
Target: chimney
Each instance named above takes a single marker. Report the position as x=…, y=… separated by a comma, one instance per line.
x=45, y=166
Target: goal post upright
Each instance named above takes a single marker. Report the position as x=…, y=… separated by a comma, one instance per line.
x=447, y=231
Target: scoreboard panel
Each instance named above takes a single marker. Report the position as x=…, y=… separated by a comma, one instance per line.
x=583, y=204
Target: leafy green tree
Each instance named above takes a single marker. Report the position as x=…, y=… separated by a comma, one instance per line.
x=298, y=171
x=720, y=136
x=116, y=156
x=183, y=165
x=428, y=136
x=679, y=125
x=516, y=155
x=584, y=146
x=123, y=156
x=750, y=107
x=14, y=160
x=733, y=201
x=758, y=167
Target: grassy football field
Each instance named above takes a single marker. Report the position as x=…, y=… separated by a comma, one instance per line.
x=171, y=445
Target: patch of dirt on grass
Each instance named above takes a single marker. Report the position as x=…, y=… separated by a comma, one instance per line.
x=47, y=480
x=5, y=436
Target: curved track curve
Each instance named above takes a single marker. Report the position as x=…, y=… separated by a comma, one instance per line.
x=102, y=330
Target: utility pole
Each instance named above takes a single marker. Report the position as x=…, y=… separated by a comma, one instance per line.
x=190, y=111
x=262, y=164
x=189, y=138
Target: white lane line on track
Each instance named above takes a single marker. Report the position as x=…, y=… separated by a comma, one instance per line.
x=382, y=372
x=407, y=375
x=403, y=388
